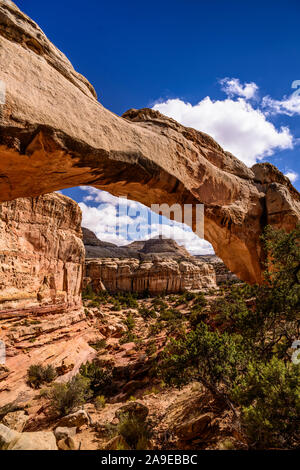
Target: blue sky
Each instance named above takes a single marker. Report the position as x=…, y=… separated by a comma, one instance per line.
x=224, y=67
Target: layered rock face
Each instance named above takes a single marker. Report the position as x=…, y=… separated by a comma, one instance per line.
x=156, y=265
x=55, y=134
x=41, y=314
x=155, y=275
x=41, y=255
x=223, y=275
x=161, y=246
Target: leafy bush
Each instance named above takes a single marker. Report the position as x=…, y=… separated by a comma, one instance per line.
x=99, y=379
x=129, y=322
x=38, y=375
x=196, y=317
x=100, y=402
x=128, y=335
x=151, y=348
x=127, y=299
x=66, y=397
x=88, y=293
x=99, y=345
x=147, y=313
x=135, y=432
x=116, y=307
x=156, y=328
x=170, y=314
x=270, y=397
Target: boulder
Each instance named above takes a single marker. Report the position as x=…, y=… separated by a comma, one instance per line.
x=117, y=443
x=193, y=428
x=16, y=420
x=66, y=444
x=133, y=409
x=7, y=436
x=77, y=419
x=132, y=386
x=62, y=433
x=13, y=440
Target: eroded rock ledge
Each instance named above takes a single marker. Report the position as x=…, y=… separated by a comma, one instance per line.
x=54, y=134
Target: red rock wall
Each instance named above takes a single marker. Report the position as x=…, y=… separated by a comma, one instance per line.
x=41, y=254
x=156, y=275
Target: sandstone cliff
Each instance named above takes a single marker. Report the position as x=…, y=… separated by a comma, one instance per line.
x=41, y=255
x=223, y=275
x=156, y=275
x=41, y=314
x=156, y=265
x=55, y=134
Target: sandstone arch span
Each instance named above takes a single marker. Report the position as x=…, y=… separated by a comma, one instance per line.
x=54, y=134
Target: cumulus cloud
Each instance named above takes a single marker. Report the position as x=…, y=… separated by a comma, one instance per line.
x=292, y=175
x=103, y=197
x=235, y=124
x=289, y=105
x=183, y=235
x=232, y=87
x=121, y=224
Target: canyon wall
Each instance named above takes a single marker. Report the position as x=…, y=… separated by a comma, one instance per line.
x=54, y=134
x=41, y=255
x=156, y=275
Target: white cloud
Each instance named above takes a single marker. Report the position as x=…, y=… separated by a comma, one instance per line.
x=232, y=87
x=292, y=175
x=95, y=195
x=235, y=124
x=104, y=219
x=183, y=235
x=289, y=105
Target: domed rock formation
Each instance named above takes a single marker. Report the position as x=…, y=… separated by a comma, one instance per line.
x=54, y=134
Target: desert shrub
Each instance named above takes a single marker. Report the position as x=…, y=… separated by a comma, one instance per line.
x=127, y=299
x=129, y=322
x=159, y=304
x=116, y=306
x=145, y=294
x=196, y=317
x=99, y=345
x=88, y=293
x=139, y=342
x=100, y=402
x=156, y=328
x=66, y=397
x=147, y=313
x=189, y=295
x=38, y=375
x=151, y=348
x=170, y=314
x=135, y=432
x=99, y=379
x=128, y=337
x=269, y=394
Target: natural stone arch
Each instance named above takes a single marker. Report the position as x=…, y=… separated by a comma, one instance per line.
x=54, y=134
